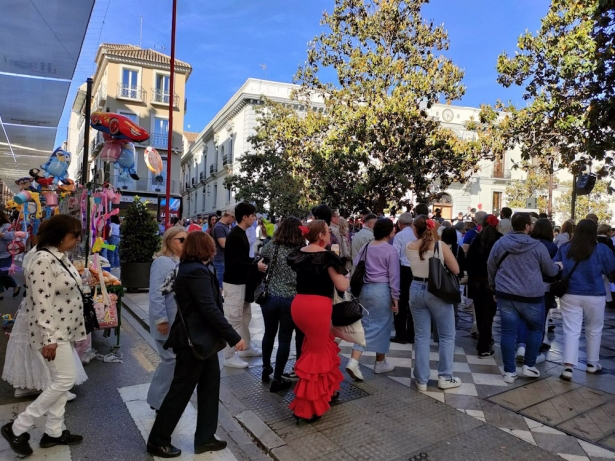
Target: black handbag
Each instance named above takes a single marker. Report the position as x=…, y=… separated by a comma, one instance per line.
x=261, y=293
x=441, y=282
x=560, y=287
x=346, y=310
x=195, y=353
x=358, y=276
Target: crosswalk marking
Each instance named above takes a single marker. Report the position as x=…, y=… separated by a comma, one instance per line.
x=8, y=413
x=134, y=397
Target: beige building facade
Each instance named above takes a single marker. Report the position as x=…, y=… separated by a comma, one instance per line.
x=133, y=82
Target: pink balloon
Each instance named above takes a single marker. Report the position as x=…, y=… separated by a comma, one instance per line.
x=111, y=150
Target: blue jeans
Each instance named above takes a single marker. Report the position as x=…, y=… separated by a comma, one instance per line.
x=376, y=298
x=219, y=266
x=425, y=306
x=114, y=256
x=511, y=313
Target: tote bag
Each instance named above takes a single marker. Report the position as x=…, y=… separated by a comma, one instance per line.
x=441, y=282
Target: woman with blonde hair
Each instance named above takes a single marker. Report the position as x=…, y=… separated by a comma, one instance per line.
x=162, y=310
x=345, y=248
x=566, y=234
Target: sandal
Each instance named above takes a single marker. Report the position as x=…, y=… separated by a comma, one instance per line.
x=16, y=291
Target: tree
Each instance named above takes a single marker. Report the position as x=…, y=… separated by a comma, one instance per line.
x=568, y=120
x=598, y=202
x=375, y=141
x=536, y=185
x=140, y=234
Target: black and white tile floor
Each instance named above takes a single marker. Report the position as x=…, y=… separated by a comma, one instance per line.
x=528, y=411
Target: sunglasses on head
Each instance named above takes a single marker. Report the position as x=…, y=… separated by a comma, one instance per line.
x=181, y=239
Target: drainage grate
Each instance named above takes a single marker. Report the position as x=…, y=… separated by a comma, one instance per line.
x=419, y=457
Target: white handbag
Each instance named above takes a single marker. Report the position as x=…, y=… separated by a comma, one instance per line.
x=353, y=333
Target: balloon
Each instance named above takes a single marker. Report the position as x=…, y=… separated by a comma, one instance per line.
x=152, y=160
x=126, y=162
x=111, y=150
x=57, y=165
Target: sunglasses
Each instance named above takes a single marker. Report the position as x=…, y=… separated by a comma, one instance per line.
x=181, y=239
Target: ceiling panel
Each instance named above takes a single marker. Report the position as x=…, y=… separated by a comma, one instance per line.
x=42, y=37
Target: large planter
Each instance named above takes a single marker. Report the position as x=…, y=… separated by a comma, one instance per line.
x=135, y=275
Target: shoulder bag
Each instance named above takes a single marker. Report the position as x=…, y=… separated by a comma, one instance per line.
x=441, y=282
x=90, y=320
x=346, y=310
x=358, y=276
x=262, y=290
x=560, y=287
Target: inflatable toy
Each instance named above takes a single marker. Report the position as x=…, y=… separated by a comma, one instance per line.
x=67, y=185
x=126, y=162
x=57, y=165
x=24, y=183
x=118, y=126
x=111, y=150
x=152, y=160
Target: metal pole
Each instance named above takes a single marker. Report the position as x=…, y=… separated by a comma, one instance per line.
x=171, y=103
x=550, y=204
x=573, y=201
x=85, y=164
x=86, y=138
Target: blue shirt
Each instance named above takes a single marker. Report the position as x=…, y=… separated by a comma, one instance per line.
x=587, y=278
x=470, y=236
x=401, y=241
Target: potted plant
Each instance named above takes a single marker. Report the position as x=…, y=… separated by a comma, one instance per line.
x=139, y=241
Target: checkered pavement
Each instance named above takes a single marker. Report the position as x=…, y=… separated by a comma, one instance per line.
x=483, y=388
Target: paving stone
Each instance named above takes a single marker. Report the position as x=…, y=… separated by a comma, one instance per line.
x=285, y=453
x=532, y=393
x=288, y=429
x=501, y=417
x=558, y=443
x=484, y=443
x=260, y=430
x=566, y=406
x=465, y=402
x=594, y=425
x=313, y=445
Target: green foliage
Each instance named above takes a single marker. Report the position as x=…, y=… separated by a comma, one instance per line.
x=374, y=142
x=598, y=202
x=536, y=185
x=566, y=71
x=140, y=239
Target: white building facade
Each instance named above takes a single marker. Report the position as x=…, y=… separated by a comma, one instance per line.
x=217, y=149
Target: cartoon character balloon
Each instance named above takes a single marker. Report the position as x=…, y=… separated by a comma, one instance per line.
x=126, y=162
x=111, y=150
x=57, y=165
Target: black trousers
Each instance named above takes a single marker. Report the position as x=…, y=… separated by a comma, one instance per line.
x=276, y=313
x=404, y=325
x=485, y=308
x=190, y=373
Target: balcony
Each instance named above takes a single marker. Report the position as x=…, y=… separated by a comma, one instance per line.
x=162, y=97
x=159, y=140
x=213, y=168
x=153, y=184
x=193, y=182
x=202, y=177
x=227, y=159
x=500, y=173
x=101, y=97
x=134, y=92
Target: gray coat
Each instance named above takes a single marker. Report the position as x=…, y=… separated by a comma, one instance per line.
x=160, y=306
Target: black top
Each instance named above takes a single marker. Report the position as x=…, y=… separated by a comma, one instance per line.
x=313, y=271
x=198, y=297
x=476, y=260
x=239, y=268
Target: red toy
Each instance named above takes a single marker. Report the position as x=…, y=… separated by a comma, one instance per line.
x=118, y=126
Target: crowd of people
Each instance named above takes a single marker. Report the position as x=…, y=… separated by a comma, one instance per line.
x=204, y=281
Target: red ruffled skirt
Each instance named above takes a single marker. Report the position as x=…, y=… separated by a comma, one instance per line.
x=318, y=366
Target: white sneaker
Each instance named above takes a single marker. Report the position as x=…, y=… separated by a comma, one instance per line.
x=71, y=396
x=383, y=367
x=510, y=377
x=252, y=352
x=448, y=383
x=235, y=362
x=421, y=387
x=530, y=372
x=566, y=374
x=540, y=358
x=520, y=354
x=593, y=368
x=354, y=370
x=25, y=392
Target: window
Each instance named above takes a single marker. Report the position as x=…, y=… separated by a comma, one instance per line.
x=160, y=133
x=203, y=200
x=230, y=150
x=162, y=88
x=498, y=166
x=130, y=84
x=131, y=116
x=161, y=125
x=497, y=203
x=158, y=182
x=215, y=195
x=228, y=195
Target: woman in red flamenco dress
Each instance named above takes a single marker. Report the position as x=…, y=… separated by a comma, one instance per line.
x=318, y=271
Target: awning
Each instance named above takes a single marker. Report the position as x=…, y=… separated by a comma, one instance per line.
x=40, y=43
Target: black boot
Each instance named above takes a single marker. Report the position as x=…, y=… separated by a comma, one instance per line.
x=281, y=384
x=19, y=443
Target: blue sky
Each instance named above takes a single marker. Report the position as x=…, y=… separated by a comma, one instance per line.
x=228, y=41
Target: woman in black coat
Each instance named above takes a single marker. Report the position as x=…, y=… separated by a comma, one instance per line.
x=199, y=332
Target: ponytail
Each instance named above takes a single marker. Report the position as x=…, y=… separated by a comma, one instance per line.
x=423, y=226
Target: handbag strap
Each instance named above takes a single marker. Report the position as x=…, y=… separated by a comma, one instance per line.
x=501, y=260
x=572, y=271
x=179, y=310
x=67, y=270
x=272, y=266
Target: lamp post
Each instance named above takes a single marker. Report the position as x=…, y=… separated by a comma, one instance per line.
x=171, y=101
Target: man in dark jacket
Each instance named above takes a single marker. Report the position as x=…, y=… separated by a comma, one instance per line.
x=516, y=265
